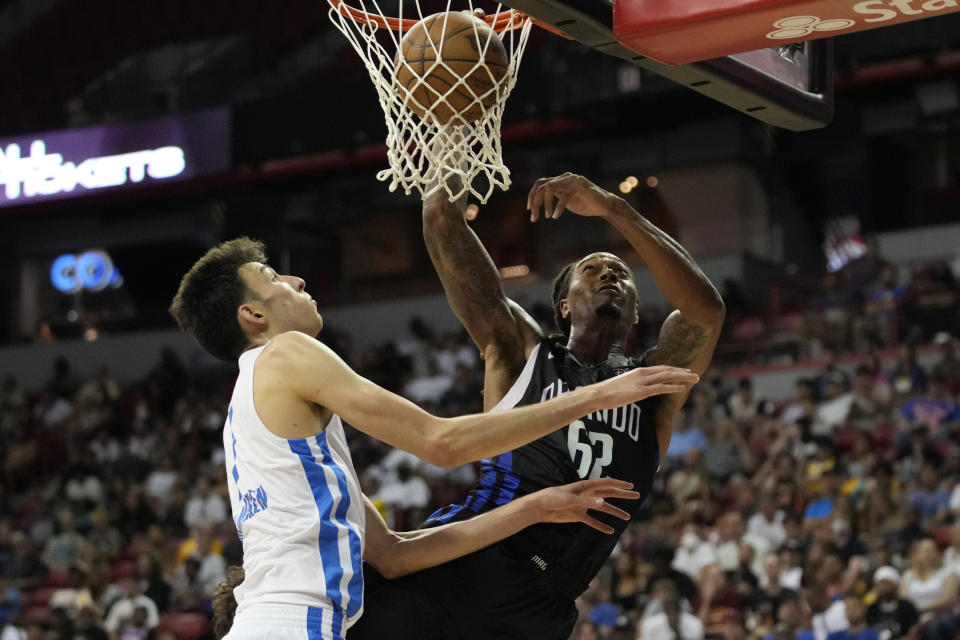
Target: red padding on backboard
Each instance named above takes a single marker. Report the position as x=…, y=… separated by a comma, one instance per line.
x=684, y=31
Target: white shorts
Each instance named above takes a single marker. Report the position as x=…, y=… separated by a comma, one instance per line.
x=287, y=622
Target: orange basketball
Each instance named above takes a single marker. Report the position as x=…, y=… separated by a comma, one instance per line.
x=467, y=78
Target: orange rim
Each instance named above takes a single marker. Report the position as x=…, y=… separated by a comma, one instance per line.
x=499, y=22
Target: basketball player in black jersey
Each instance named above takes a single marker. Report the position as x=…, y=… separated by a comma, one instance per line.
x=525, y=586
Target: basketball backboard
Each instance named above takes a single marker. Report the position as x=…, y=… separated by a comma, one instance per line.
x=789, y=86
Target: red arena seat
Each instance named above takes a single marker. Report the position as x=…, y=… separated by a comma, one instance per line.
x=188, y=626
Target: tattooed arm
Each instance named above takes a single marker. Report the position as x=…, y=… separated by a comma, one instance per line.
x=689, y=334
x=501, y=329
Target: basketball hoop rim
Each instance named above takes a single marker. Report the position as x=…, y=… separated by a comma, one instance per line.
x=499, y=22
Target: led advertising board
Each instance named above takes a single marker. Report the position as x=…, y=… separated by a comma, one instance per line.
x=76, y=162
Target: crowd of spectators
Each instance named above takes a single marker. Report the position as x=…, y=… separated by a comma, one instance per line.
x=833, y=514
x=114, y=522
x=114, y=517
x=829, y=515
x=869, y=303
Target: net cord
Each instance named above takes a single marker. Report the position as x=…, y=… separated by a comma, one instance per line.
x=424, y=153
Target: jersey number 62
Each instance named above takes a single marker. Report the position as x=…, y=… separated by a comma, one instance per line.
x=583, y=445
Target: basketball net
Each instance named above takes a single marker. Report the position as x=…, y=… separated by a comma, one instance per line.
x=423, y=153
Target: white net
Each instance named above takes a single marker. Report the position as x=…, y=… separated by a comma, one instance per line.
x=443, y=116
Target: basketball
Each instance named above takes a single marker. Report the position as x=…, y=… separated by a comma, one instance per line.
x=451, y=65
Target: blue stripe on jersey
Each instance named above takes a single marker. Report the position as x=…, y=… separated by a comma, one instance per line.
x=315, y=624
x=510, y=481
x=479, y=498
x=486, y=488
x=443, y=515
x=328, y=538
x=236, y=474
x=355, y=585
x=337, y=625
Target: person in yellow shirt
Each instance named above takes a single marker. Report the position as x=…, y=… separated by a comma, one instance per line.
x=201, y=542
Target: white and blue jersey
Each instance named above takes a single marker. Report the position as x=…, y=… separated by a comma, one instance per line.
x=299, y=512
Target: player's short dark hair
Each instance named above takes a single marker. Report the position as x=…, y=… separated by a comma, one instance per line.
x=210, y=293
x=561, y=287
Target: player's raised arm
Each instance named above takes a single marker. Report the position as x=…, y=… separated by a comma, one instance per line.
x=315, y=374
x=689, y=334
x=500, y=328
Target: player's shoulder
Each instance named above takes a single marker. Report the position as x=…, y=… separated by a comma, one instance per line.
x=288, y=340
x=290, y=346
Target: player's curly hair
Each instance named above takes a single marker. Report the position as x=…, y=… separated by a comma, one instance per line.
x=224, y=604
x=209, y=294
x=561, y=287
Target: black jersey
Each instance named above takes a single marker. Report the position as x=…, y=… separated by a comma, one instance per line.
x=620, y=443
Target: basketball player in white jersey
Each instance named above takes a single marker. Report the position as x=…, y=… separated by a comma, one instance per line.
x=295, y=495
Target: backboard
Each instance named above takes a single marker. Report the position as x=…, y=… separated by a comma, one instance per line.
x=789, y=86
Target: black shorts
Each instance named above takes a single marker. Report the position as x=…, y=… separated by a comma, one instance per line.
x=488, y=595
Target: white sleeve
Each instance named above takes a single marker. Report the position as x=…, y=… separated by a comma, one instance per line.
x=955, y=498
x=119, y=611
x=153, y=616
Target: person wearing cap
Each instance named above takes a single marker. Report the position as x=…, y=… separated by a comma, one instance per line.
x=891, y=615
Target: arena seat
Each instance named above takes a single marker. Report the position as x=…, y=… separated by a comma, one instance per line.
x=56, y=578
x=39, y=597
x=188, y=626
x=941, y=535
x=37, y=614
x=121, y=569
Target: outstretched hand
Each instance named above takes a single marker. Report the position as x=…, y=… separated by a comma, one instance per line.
x=571, y=502
x=641, y=383
x=570, y=192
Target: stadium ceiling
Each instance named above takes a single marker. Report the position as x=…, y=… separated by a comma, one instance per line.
x=74, y=62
